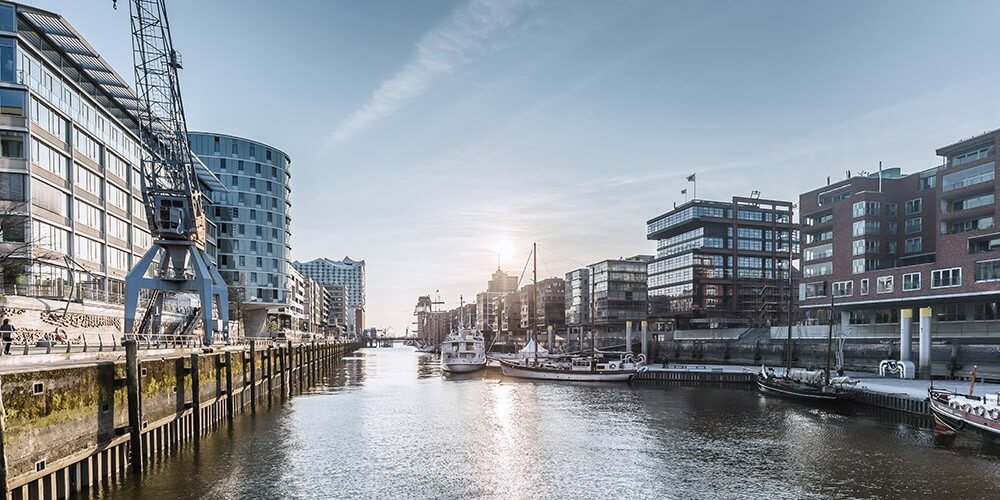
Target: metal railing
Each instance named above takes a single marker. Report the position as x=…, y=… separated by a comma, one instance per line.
x=56, y=344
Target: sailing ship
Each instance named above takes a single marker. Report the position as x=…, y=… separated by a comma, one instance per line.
x=464, y=350
x=976, y=416
x=533, y=362
x=803, y=385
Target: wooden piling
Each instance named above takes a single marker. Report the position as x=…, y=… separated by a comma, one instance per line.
x=253, y=377
x=134, y=404
x=230, y=405
x=196, y=394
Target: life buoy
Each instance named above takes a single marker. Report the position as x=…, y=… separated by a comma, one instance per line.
x=966, y=407
x=979, y=411
x=994, y=413
x=954, y=404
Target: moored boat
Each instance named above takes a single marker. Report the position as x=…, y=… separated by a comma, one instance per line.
x=793, y=388
x=463, y=352
x=976, y=416
x=577, y=368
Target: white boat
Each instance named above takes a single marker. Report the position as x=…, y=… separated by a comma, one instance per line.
x=427, y=348
x=463, y=351
x=606, y=368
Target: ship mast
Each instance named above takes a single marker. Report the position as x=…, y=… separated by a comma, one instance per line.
x=533, y=300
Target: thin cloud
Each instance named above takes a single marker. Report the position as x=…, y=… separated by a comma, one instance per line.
x=466, y=34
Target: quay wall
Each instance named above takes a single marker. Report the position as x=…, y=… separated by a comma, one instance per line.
x=65, y=429
x=952, y=359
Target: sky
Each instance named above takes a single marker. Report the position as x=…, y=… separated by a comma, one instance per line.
x=428, y=137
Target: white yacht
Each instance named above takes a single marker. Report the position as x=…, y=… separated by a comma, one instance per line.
x=463, y=351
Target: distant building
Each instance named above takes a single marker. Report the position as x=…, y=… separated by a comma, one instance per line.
x=347, y=273
x=550, y=305
x=577, y=300
x=722, y=264
x=337, y=312
x=619, y=292
x=431, y=326
x=499, y=284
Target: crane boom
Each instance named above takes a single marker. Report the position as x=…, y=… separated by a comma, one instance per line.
x=173, y=201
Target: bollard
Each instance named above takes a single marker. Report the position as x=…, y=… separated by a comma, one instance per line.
x=196, y=395
x=134, y=387
x=644, y=338
x=628, y=336
x=905, y=333
x=230, y=405
x=926, y=314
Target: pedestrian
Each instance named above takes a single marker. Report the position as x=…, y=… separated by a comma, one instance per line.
x=7, y=334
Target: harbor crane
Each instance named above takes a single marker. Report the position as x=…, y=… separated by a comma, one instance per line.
x=176, y=262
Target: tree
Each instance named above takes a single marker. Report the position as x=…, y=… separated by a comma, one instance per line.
x=15, y=246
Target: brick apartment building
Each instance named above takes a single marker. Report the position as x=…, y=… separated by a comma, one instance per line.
x=885, y=244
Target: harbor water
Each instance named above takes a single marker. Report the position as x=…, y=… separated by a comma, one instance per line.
x=389, y=425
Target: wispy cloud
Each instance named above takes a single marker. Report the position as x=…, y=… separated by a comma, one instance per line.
x=465, y=35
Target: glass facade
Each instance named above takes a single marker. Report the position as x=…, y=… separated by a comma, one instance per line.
x=254, y=217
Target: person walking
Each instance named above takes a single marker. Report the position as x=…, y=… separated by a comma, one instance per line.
x=7, y=334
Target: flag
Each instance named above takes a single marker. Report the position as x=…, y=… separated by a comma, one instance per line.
x=690, y=178
x=684, y=191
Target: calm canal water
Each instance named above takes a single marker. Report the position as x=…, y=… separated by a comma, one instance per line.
x=388, y=425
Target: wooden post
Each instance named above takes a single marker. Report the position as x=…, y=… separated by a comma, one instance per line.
x=301, y=369
x=230, y=404
x=196, y=395
x=134, y=386
x=289, y=363
x=281, y=370
x=269, y=371
x=253, y=377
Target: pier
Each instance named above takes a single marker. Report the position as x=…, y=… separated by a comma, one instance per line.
x=88, y=420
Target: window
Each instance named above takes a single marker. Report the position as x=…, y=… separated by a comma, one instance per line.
x=911, y=281
x=971, y=225
x=893, y=228
x=986, y=311
x=88, y=215
x=118, y=259
x=11, y=102
x=12, y=144
x=49, y=159
x=914, y=225
x=812, y=253
x=88, y=249
x=863, y=208
x=8, y=69
x=215, y=143
x=859, y=266
x=12, y=229
x=117, y=228
x=253, y=152
x=236, y=148
x=891, y=247
x=234, y=181
x=268, y=154
x=914, y=206
x=969, y=177
x=972, y=156
x=950, y=312
x=812, y=290
x=988, y=270
x=886, y=316
x=890, y=209
x=49, y=120
x=913, y=245
x=222, y=163
x=12, y=186
x=864, y=227
x=7, y=18
x=50, y=237
x=843, y=288
x=863, y=287
x=883, y=284
x=50, y=198
x=116, y=197
x=975, y=201
x=88, y=181
x=944, y=278
x=118, y=167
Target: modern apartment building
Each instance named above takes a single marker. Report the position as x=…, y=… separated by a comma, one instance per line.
x=885, y=245
x=307, y=308
x=71, y=208
x=619, y=292
x=337, y=313
x=347, y=273
x=549, y=303
x=577, y=300
x=722, y=264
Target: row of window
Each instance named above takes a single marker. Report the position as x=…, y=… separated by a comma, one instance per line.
x=940, y=278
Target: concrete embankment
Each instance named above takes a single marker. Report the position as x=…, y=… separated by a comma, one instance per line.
x=82, y=424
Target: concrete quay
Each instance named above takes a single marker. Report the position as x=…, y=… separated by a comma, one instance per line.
x=897, y=394
x=88, y=420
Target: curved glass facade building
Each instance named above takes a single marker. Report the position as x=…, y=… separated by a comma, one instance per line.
x=253, y=218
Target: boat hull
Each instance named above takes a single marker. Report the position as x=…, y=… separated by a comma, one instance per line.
x=462, y=367
x=962, y=422
x=769, y=387
x=510, y=370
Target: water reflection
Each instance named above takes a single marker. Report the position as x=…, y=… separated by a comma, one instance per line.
x=387, y=424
